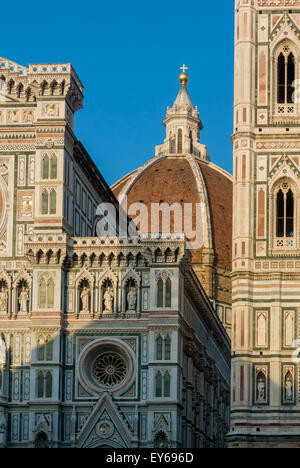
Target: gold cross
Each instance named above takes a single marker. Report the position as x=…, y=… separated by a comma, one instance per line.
x=183, y=68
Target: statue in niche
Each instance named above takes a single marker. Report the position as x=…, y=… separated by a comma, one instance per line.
x=132, y=299
x=12, y=116
x=289, y=391
x=23, y=299
x=108, y=299
x=261, y=390
x=28, y=116
x=85, y=299
x=2, y=350
x=51, y=110
x=3, y=300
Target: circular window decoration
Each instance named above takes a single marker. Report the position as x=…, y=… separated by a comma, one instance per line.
x=105, y=429
x=107, y=365
x=110, y=369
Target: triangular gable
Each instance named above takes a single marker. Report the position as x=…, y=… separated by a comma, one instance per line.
x=105, y=427
x=285, y=167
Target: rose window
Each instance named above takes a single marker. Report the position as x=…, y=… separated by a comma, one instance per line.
x=110, y=369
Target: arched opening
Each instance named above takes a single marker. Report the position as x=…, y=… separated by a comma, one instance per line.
x=43, y=88
x=158, y=256
x=41, y=440
x=161, y=440
x=20, y=90
x=11, y=85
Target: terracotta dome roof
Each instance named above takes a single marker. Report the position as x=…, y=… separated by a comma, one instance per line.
x=186, y=179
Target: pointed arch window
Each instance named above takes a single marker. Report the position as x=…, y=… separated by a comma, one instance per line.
x=286, y=75
x=191, y=142
x=179, y=141
x=45, y=201
x=167, y=385
x=48, y=202
x=43, y=293
x=285, y=212
x=50, y=294
x=158, y=385
x=53, y=167
x=172, y=144
x=159, y=348
x=168, y=348
x=49, y=167
x=46, y=293
x=168, y=293
x=45, y=348
x=164, y=291
x=285, y=216
x=53, y=202
x=48, y=384
x=44, y=384
x=45, y=167
x=40, y=385
x=163, y=384
x=160, y=293
x=163, y=348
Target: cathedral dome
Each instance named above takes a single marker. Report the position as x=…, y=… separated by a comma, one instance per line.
x=185, y=179
x=181, y=173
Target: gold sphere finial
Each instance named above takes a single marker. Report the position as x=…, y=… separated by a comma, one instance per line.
x=183, y=77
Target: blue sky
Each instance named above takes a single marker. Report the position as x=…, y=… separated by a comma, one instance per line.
x=128, y=54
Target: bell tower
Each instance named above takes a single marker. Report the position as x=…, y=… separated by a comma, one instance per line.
x=265, y=398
